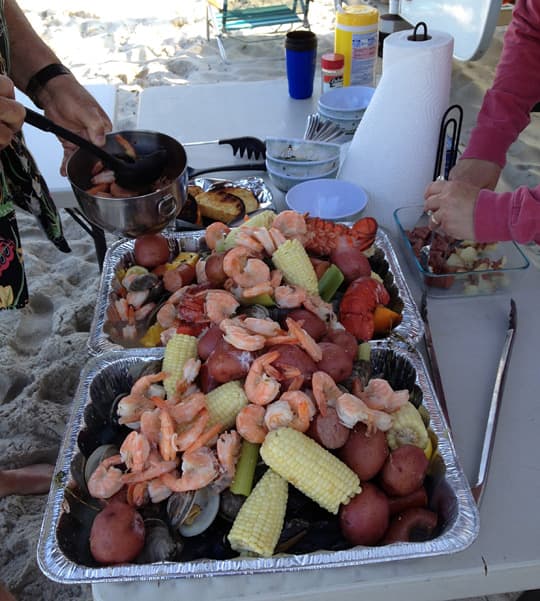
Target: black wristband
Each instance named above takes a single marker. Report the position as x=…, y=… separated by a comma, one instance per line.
x=40, y=79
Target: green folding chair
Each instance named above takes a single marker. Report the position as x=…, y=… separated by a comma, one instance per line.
x=225, y=16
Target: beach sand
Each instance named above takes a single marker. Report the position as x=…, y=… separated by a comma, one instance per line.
x=43, y=347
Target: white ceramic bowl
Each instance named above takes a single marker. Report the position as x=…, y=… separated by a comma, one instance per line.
x=286, y=182
x=301, y=151
x=301, y=169
x=349, y=102
x=348, y=125
x=327, y=198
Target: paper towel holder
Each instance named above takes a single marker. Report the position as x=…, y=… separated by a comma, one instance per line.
x=416, y=37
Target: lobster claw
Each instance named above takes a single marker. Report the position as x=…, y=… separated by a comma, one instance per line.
x=365, y=230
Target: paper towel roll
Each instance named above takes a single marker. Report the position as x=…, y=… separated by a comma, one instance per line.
x=393, y=151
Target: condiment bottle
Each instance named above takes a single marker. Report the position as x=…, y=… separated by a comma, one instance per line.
x=356, y=37
x=332, y=66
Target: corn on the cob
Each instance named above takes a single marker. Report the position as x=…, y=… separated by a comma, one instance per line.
x=179, y=349
x=310, y=468
x=407, y=428
x=293, y=261
x=262, y=219
x=259, y=522
x=225, y=402
x=183, y=257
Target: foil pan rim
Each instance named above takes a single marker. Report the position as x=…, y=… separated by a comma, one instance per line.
x=51, y=560
x=411, y=328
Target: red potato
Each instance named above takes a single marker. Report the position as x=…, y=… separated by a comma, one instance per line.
x=213, y=268
x=335, y=361
x=404, y=470
x=364, y=520
x=293, y=356
x=417, y=498
x=151, y=250
x=350, y=260
x=343, y=339
x=413, y=525
x=206, y=382
x=327, y=430
x=208, y=341
x=226, y=363
x=311, y=323
x=117, y=534
x=320, y=266
x=365, y=454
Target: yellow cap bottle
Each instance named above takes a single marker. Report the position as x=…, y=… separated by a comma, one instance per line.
x=356, y=37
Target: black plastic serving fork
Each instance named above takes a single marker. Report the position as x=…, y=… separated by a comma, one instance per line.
x=248, y=145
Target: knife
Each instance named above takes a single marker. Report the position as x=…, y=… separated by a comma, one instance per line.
x=432, y=358
x=493, y=414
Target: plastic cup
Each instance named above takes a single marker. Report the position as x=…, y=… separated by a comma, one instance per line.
x=301, y=59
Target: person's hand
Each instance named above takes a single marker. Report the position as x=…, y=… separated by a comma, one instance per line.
x=11, y=112
x=70, y=105
x=483, y=174
x=452, y=206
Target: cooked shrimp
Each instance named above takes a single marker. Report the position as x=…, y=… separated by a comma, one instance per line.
x=135, y=451
x=245, y=237
x=187, y=409
x=167, y=436
x=106, y=480
x=378, y=394
x=351, y=410
x=132, y=406
x=121, y=306
x=250, y=423
x=143, y=312
x=214, y=233
x=219, y=305
x=187, y=434
x=262, y=235
x=200, y=272
x=155, y=470
x=167, y=316
x=278, y=415
x=257, y=290
x=325, y=391
x=291, y=224
x=261, y=385
x=239, y=337
x=190, y=372
x=157, y=491
x=137, y=494
x=289, y=297
x=246, y=271
x=301, y=406
x=228, y=450
x=199, y=468
x=304, y=339
x=264, y=326
x=150, y=425
x=323, y=310
x=143, y=384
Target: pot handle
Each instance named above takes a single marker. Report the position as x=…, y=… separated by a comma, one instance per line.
x=167, y=206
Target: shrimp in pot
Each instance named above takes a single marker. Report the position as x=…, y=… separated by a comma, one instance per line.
x=150, y=425
x=135, y=451
x=199, y=468
x=250, y=423
x=291, y=224
x=132, y=406
x=263, y=326
x=157, y=491
x=228, y=448
x=187, y=434
x=106, y=480
x=261, y=385
x=351, y=410
x=289, y=297
x=219, y=305
x=378, y=394
x=278, y=415
x=325, y=391
x=304, y=339
x=241, y=338
x=215, y=233
x=301, y=408
x=167, y=436
x=245, y=270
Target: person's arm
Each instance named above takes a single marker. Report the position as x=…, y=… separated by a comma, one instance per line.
x=64, y=100
x=506, y=107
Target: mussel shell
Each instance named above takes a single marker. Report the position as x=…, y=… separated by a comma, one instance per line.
x=145, y=281
x=396, y=369
x=206, y=504
x=179, y=505
x=230, y=504
x=159, y=544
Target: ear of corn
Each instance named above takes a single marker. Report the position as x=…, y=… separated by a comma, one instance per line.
x=259, y=522
x=407, y=428
x=310, y=468
x=225, y=402
x=293, y=261
x=179, y=349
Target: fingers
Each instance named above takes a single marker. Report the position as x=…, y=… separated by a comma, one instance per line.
x=435, y=188
x=433, y=218
x=12, y=113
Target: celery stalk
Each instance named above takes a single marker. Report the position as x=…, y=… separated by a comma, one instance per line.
x=330, y=281
x=245, y=469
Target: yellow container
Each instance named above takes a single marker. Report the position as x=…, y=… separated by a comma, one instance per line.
x=356, y=37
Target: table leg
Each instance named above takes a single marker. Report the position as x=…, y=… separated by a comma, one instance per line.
x=97, y=234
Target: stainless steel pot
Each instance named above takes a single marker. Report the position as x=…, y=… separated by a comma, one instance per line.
x=137, y=215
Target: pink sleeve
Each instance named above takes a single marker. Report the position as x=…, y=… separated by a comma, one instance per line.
x=515, y=90
x=508, y=216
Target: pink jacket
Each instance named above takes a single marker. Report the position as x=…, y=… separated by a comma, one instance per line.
x=504, y=114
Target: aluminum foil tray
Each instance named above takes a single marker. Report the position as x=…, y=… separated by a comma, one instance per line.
x=120, y=253
x=63, y=549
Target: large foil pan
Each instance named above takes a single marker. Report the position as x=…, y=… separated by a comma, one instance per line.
x=120, y=254
x=63, y=548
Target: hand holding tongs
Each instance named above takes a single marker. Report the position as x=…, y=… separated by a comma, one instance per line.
x=493, y=414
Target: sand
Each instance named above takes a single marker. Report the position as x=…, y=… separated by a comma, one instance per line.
x=43, y=347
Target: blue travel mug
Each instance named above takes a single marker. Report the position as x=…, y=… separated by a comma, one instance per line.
x=301, y=58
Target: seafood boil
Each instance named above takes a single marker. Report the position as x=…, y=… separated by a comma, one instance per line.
x=269, y=426
x=146, y=301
